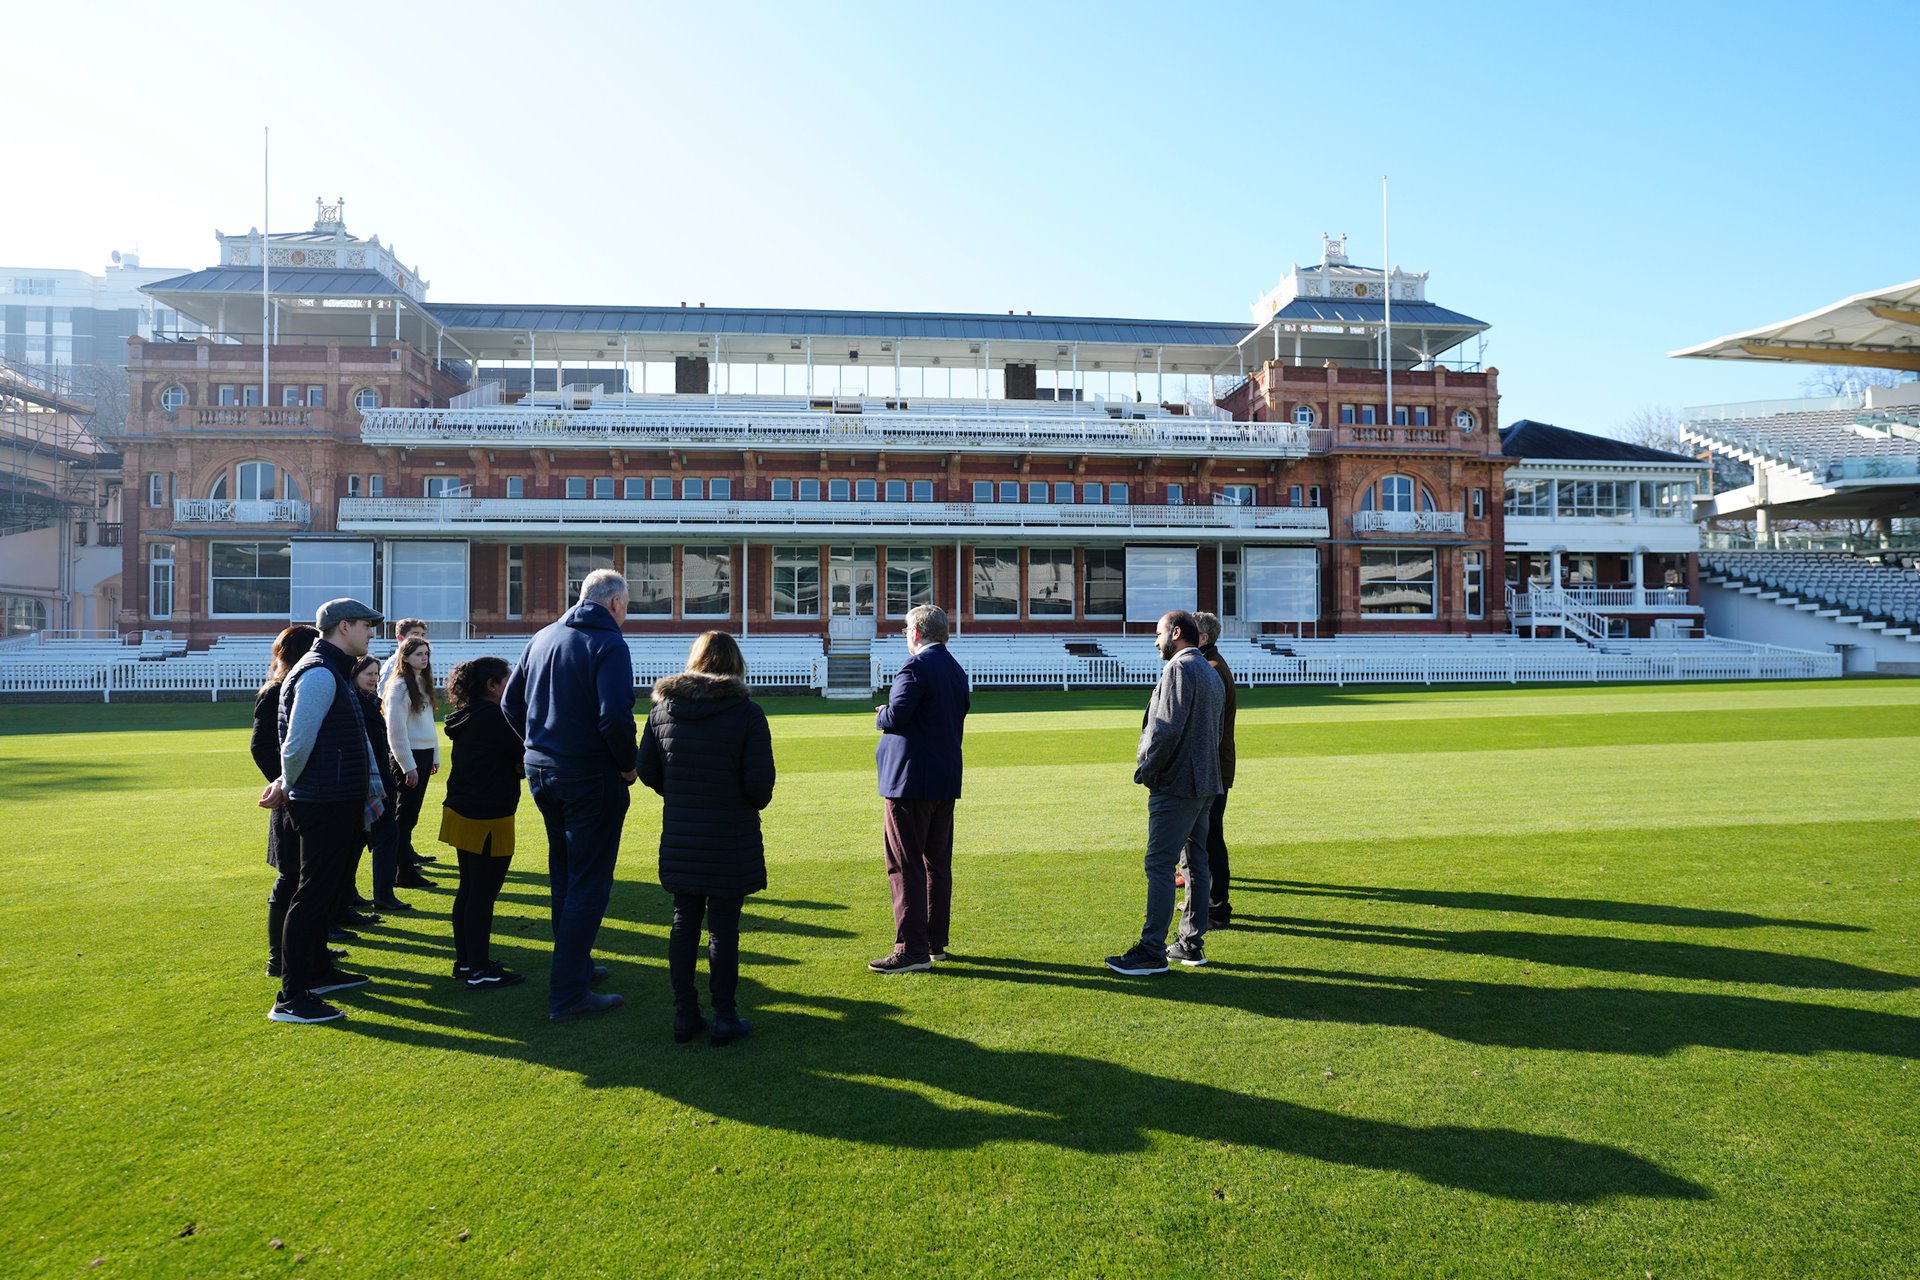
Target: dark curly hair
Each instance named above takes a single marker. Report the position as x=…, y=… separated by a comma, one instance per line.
x=468, y=682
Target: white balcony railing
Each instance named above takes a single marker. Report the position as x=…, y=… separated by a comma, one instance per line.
x=241, y=511
x=1409, y=522
x=579, y=514
x=718, y=427
x=1629, y=598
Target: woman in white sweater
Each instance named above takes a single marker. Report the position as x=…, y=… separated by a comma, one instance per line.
x=407, y=703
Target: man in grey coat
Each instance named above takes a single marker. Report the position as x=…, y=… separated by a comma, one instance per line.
x=1178, y=762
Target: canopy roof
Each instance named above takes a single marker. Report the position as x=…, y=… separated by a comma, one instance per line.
x=1879, y=329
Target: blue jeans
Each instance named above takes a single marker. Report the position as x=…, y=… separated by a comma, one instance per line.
x=583, y=816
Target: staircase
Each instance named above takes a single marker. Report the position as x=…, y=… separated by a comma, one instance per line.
x=849, y=667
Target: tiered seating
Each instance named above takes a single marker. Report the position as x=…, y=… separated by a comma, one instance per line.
x=1813, y=442
x=1856, y=586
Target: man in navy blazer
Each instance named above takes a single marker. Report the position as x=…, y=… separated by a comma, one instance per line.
x=919, y=759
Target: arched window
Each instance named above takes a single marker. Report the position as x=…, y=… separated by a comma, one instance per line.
x=173, y=398
x=1396, y=493
x=257, y=481
x=23, y=616
x=1303, y=415
x=219, y=489
x=366, y=398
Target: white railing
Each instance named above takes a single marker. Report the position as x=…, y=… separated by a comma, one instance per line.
x=1409, y=522
x=718, y=427
x=633, y=514
x=241, y=511
x=1630, y=597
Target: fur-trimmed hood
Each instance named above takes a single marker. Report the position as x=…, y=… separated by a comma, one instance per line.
x=693, y=695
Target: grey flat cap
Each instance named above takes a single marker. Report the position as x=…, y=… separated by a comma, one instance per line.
x=345, y=609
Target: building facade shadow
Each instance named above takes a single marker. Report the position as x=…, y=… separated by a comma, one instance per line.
x=1565, y=908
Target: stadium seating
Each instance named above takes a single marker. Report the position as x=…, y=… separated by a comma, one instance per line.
x=1813, y=442
x=1887, y=593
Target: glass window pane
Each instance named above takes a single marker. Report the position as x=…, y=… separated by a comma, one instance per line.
x=983, y=491
x=1092, y=492
x=909, y=579
x=796, y=582
x=720, y=489
x=576, y=488
x=706, y=581
x=1106, y=585
x=996, y=582
x=809, y=491
x=603, y=488
x=782, y=491
x=582, y=561
x=896, y=491
x=839, y=490
x=690, y=488
x=633, y=487
x=662, y=488
x=1050, y=582
x=650, y=580
x=923, y=491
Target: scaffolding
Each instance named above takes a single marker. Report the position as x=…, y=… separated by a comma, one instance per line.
x=54, y=475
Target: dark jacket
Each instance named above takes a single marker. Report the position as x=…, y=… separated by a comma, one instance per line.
x=920, y=728
x=264, y=746
x=376, y=722
x=707, y=750
x=485, y=781
x=1179, y=752
x=1227, y=756
x=571, y=696
x=340, y=765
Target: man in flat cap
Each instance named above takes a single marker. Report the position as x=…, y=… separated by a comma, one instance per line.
x=330, y=783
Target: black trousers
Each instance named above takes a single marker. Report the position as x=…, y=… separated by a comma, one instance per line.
x=329, y=836
x=411, y=798
x=481, y=876
x=723, y=950
x=919, y=856
x=1218, y=907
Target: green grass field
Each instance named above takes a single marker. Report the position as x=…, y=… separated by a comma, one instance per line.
x=1547, y=982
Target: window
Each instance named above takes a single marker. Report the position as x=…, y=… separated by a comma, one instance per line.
x=690, y=488
x=516, y=580
x=376, y=485
x=865, y=490
x=173, y=398
x=1093, y=492
x=923, y=491
x=1176, y=495
x=353, y=486
x=516, y=486
x=290, y=397
x=1393, y=493
x=366, y=398
x=1313, y=496
x=1464, y=420
x=1009, y=491
x=809, y=490
x=1473, y=593
x=1670, y=500
x=1296, y=496
x=796, y=582
x=909, y=579
x=782, y=491
x=1236, y=495
x=1229, y=583
x=662, y=488
x=1369, y=415
x=23, y=615
x=1401, y=417
x=1036, y=491
x=706, y=581
x=228, y=396
x=1348, y=415
x=996, y=582
x=443, y=486
x=896, y=491
x=839, y=490
x=720, y=489
x=1588, y=498
x=1063, y=492
x=982, y=491
x=219, y=490
x=1106, y=585
x=160, y=581
x=1303, y=415
x=582, y=561
x=249, y=579
x=1117, y=494
x=316, y=397
x=1422, y=416
x=156, y=489
x=1050, y=582
x=603, y=488
x=250, y=396
x=257, y=482
x=1477, y=504
x=1397, y=581
x=1529, y=497
x=633, y=488
x=650, y=581
x=289, y=487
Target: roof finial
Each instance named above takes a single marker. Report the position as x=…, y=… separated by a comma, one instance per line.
x=1333, y=253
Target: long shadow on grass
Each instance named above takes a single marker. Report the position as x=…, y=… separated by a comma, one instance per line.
x=1565, y=908
x=1582, y=1019
x=1660, y=958
x=849, y=1070
x=24, y=778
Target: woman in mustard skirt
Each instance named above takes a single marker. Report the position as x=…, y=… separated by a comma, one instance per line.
x=483, y=790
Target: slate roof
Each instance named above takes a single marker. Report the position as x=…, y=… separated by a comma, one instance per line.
x=1372, y=311
x=1544, y=442
x=340, y=284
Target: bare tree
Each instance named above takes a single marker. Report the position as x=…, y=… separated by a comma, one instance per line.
x=1655, y=426
x=1848, y=380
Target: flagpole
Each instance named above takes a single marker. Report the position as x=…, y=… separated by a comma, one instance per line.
x=1386, y=274
x=266, y=294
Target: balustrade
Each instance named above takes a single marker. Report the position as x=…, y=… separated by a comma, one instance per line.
x=241, y=511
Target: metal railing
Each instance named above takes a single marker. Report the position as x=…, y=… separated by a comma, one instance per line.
x=241, y=511
x=1409, y=522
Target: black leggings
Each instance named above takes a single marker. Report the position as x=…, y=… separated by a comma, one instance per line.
x=411, y=798
x=723, y=950
x=481, y=876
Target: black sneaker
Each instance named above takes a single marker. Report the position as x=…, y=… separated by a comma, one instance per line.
x=419, y=858
x=412, y=879
x=302, y=1006
x=600, y=974
x=1192, y=954
x=337, y=934
x=358, y=917
x=900, y=962
x=1137, y=963
x=461, y=972
x=394, y=904
x=495, y=975
x=338, y=980
x=337, y=953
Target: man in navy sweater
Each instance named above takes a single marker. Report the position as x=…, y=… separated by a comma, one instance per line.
x=571, y=700
x=919, y=761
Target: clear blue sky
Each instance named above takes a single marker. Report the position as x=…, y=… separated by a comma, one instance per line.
x=1600, y=183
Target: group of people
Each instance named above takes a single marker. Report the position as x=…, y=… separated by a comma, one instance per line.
x=347, y=773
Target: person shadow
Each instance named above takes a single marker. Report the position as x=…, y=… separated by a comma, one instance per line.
x=1651, y=913
x=853, y=1070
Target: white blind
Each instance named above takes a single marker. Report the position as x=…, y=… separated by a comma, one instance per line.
x=326, y=570
x=1280, y=584
x=428, y=580
x=1161, y=579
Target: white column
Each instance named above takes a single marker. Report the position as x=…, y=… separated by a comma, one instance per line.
x=1639, y=577
x=746, y=587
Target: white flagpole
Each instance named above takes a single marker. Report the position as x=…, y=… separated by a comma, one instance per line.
x=266, y=294
x=1386, y=274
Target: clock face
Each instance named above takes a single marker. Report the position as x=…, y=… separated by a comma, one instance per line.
x=1463, y=420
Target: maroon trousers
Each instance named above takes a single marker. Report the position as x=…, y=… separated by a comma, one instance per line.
x=920, y=872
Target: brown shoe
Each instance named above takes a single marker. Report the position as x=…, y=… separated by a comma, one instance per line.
x=900, y=962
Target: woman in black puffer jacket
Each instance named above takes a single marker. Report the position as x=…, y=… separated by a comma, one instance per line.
x=707, y=750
